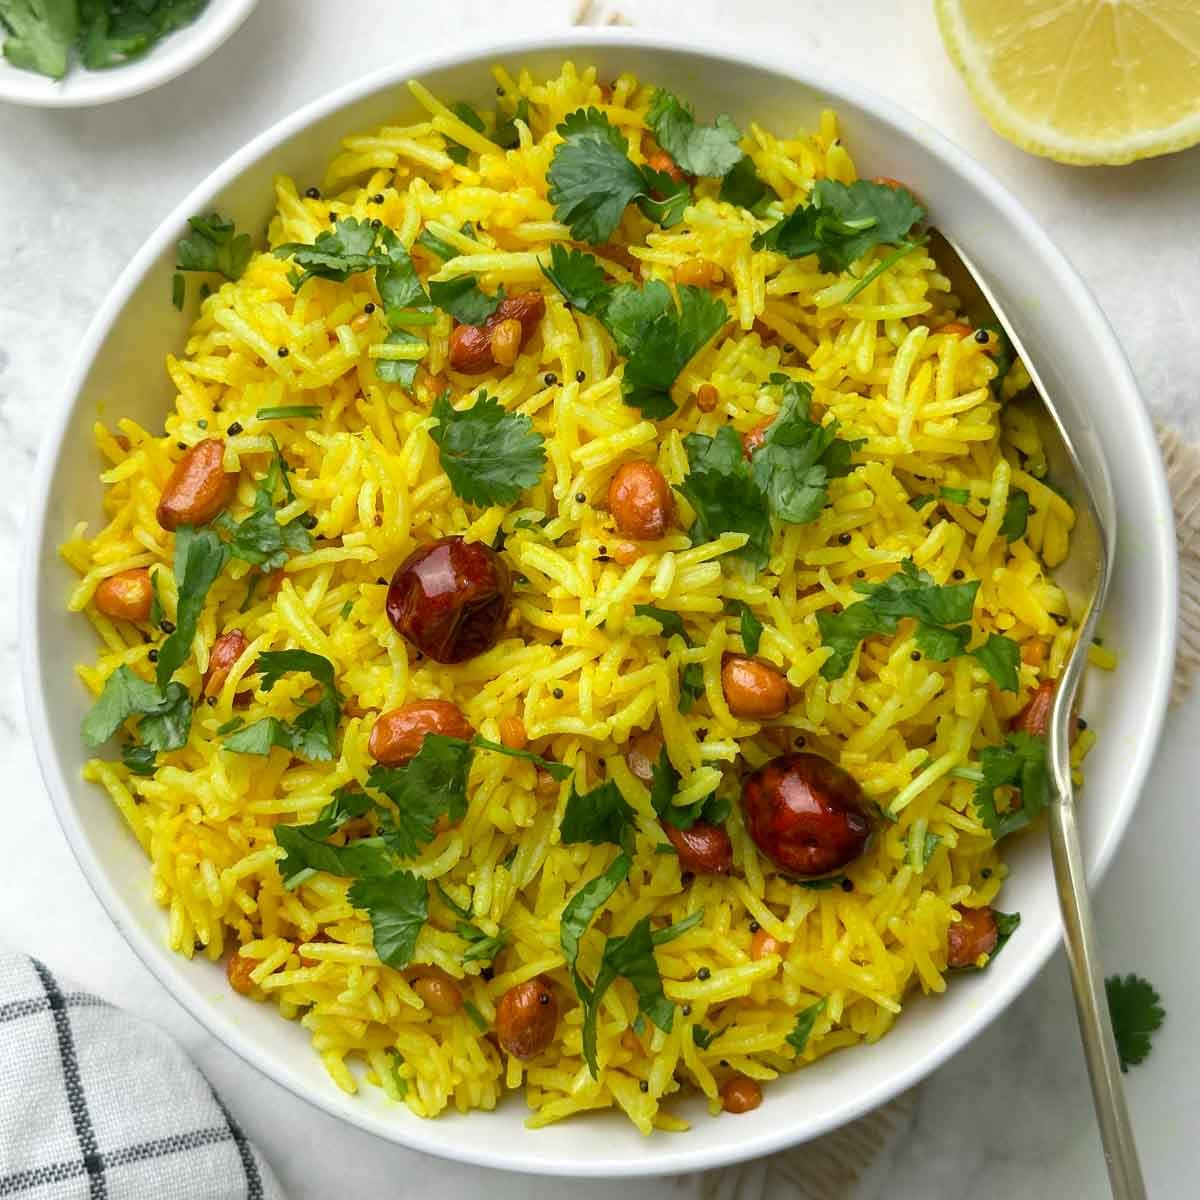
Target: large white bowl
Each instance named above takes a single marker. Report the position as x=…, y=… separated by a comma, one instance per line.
x=176, y=53
x=120, y=371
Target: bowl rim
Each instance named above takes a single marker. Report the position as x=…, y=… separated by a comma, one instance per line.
x=178, y=52
x=807, y=73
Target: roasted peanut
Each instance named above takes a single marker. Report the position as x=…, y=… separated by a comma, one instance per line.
x=512, y=733
x=740, y=1093
x=506, y=341
x=707, y=397
x=1035, y=716
x=199, y=487
x=640, y=500
x=753, y=689
x=398, y=734
x=526, y=1018
x=699, y=272
x=237, y=971
x=641, y=754
x=753, y=439
x=440, y=995
x=762, y=944
x=125, y=597
x=227, y=649
x=703, y=849
x=971, y=936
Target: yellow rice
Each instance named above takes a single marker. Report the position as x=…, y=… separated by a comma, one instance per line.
x=369, y=471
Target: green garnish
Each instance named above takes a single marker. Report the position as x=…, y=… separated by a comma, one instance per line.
x=468, y=116
x=112, y=33
x=290, y=412
x=214, y=246
x=671, y=622
x=592, y=180
x=475, y=1015
x=664, y=783
x=308, y=849
x=1016, y=515
x=200, y=556
x=260, y=539
x=178, y=291
x=744, y=187
x=489, y=454
x=399, y=370
x=691, y=679
x=750, y=626
x=597, y=817
x=1020, y=763
x=579, y=277
x=696, y=149
x=805, y=1020
x=924, y=852
x=313, y=733
x=462, y=299
x=165, y=724
x=704, y=1037
x=505, y=134
x=398, y=906
x=1136, y=1013
x=955, y=495
x=480, y=947
x=40, y=34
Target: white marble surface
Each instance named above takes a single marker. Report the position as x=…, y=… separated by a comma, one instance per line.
x=1010, y=1116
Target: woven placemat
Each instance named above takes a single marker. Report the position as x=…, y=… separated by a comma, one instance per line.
x=831, y=1167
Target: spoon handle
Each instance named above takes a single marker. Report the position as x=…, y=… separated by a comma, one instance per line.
x=1099, y=1048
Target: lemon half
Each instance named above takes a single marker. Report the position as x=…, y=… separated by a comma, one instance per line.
x=1081, y=81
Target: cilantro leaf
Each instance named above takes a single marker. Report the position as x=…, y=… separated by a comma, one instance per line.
x=671, y=622
x=124, y=695
x=955, y=495
x=744, y=187
x=1020, y=762
x=841, y=222
x=40, y=34
x=156, y=608
x=1000, y=657
x=260, y=539
x=449, y=901
x=289, y=412
x=140, y=760
x=335, y=254
x=919, y=502
x=843, y=632
x=557, y=770
x=167, y=724
x=1006, y=926
x=398, y=370
x=940, y=644
x=925, y=850
x=805, y=1020
x=750, y=627
x=395, y=276
x=1136, y=1013
x=591, y=178
x=489, y=455
x=505, y=134
x=704, y=1037
x=1016, y=515
x=664, y=783
x=431, y=783
x=722, y=490
x=481, y=947
x=308, y=849
x=438, y=246
x=398, y=906
x=691, y=686
x=659, y=341
x=468, y=116
x=911, y=592
x=260, y=736
x=113, y=34
x=579, y=277
x=463, y=300
x=599, y=816
x=579, y=911
x=200, y=556
x=798, y=456
x=696, y=149
x=214, y=246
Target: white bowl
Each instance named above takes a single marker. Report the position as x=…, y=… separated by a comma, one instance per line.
x=120, y=371
x=176, y=53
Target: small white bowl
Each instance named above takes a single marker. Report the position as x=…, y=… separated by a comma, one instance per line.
x=176, y=53
x=120, y=371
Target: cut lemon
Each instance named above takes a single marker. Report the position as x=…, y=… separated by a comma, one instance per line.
x=1081, y=81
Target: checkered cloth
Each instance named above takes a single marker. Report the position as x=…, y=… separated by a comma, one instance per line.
x=96, y=1103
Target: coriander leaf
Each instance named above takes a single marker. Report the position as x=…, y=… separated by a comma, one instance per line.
x=1016, y=515
x=1020, y=762
x=395, y=276
x=1006, y=926
x=313, y=733
x=911, y=592
x=140, y=760
x=463, y=300
x=664, y=198
x=558, y=770
x=696, y=149
x=274, y=664
x=691, y=686
x=630, y=310
x=703, y=1037
x=579, y=277
x=929, y=844
x=433, y=782
x=347, y=249
x=167, y=724
x=805, y=1020
x=751, y=627
x=259, y=736
x=398, y=905
x=489, y=455
x=1136, y=1013
x=200, y=556
x=825, y=884
x=346, y=805
x=399, y=370
x=744, y=187
x=919, y=502
x=124, y=695
x=476, y=1016
x=955, y=495
x=156, y=608
x=114, y=33
x=1000, y=657
x=40, y=34
x=505, y=134
x=671, y=622
x=449, y=901
x=660, y=937
x=366, y=858
x=841, y=222
x=940, y=644
x=481, y=947
x=437, y=246
x=591, y=178
x=395, y=1062
x=842, y=632
x=599, y=816
x=468, y=116
x=724, y=493
x=289, y=412
x=659, y=350
x=178, y=291
x=214, y=246
x=664, y=783
x=579, y=911
x=797, y=457
x=260, y=539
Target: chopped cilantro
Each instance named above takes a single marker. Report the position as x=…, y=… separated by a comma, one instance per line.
x=437, y=246
x=308, y=850
x=805, y=1020
x=841, y=222
x=480, y=947
x=200, y=556
x=289, y=412
x=457, y=909
x=599, y=816
x=395, y=1062
x=704, y=1037
x=750, y=626
x=1006, y=926
x=156, y=608
x=955, y=495
x=919, y=502
x=115, y=33
x=1001, y=658
x=744, y=187
x=468, y=116
x=579, y=277
x=1136, y=1013
x=260, y=539
x=475, y=1015
x=558, y=770
x=671, y=622
x=489, y=454
x=505, y=134
x=660, y=937
x=929, y=844
x=178, y=291
x=696, y=149
x=691, y=686
x=462, y=299
x=399, y=370
x=579, y=911
x=124, y=695
x=398, y=906
x=1016, y=515
x=664, y=783
x=39, y=34
x=1020, y=762
x=213, y=246
x=140, y=760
